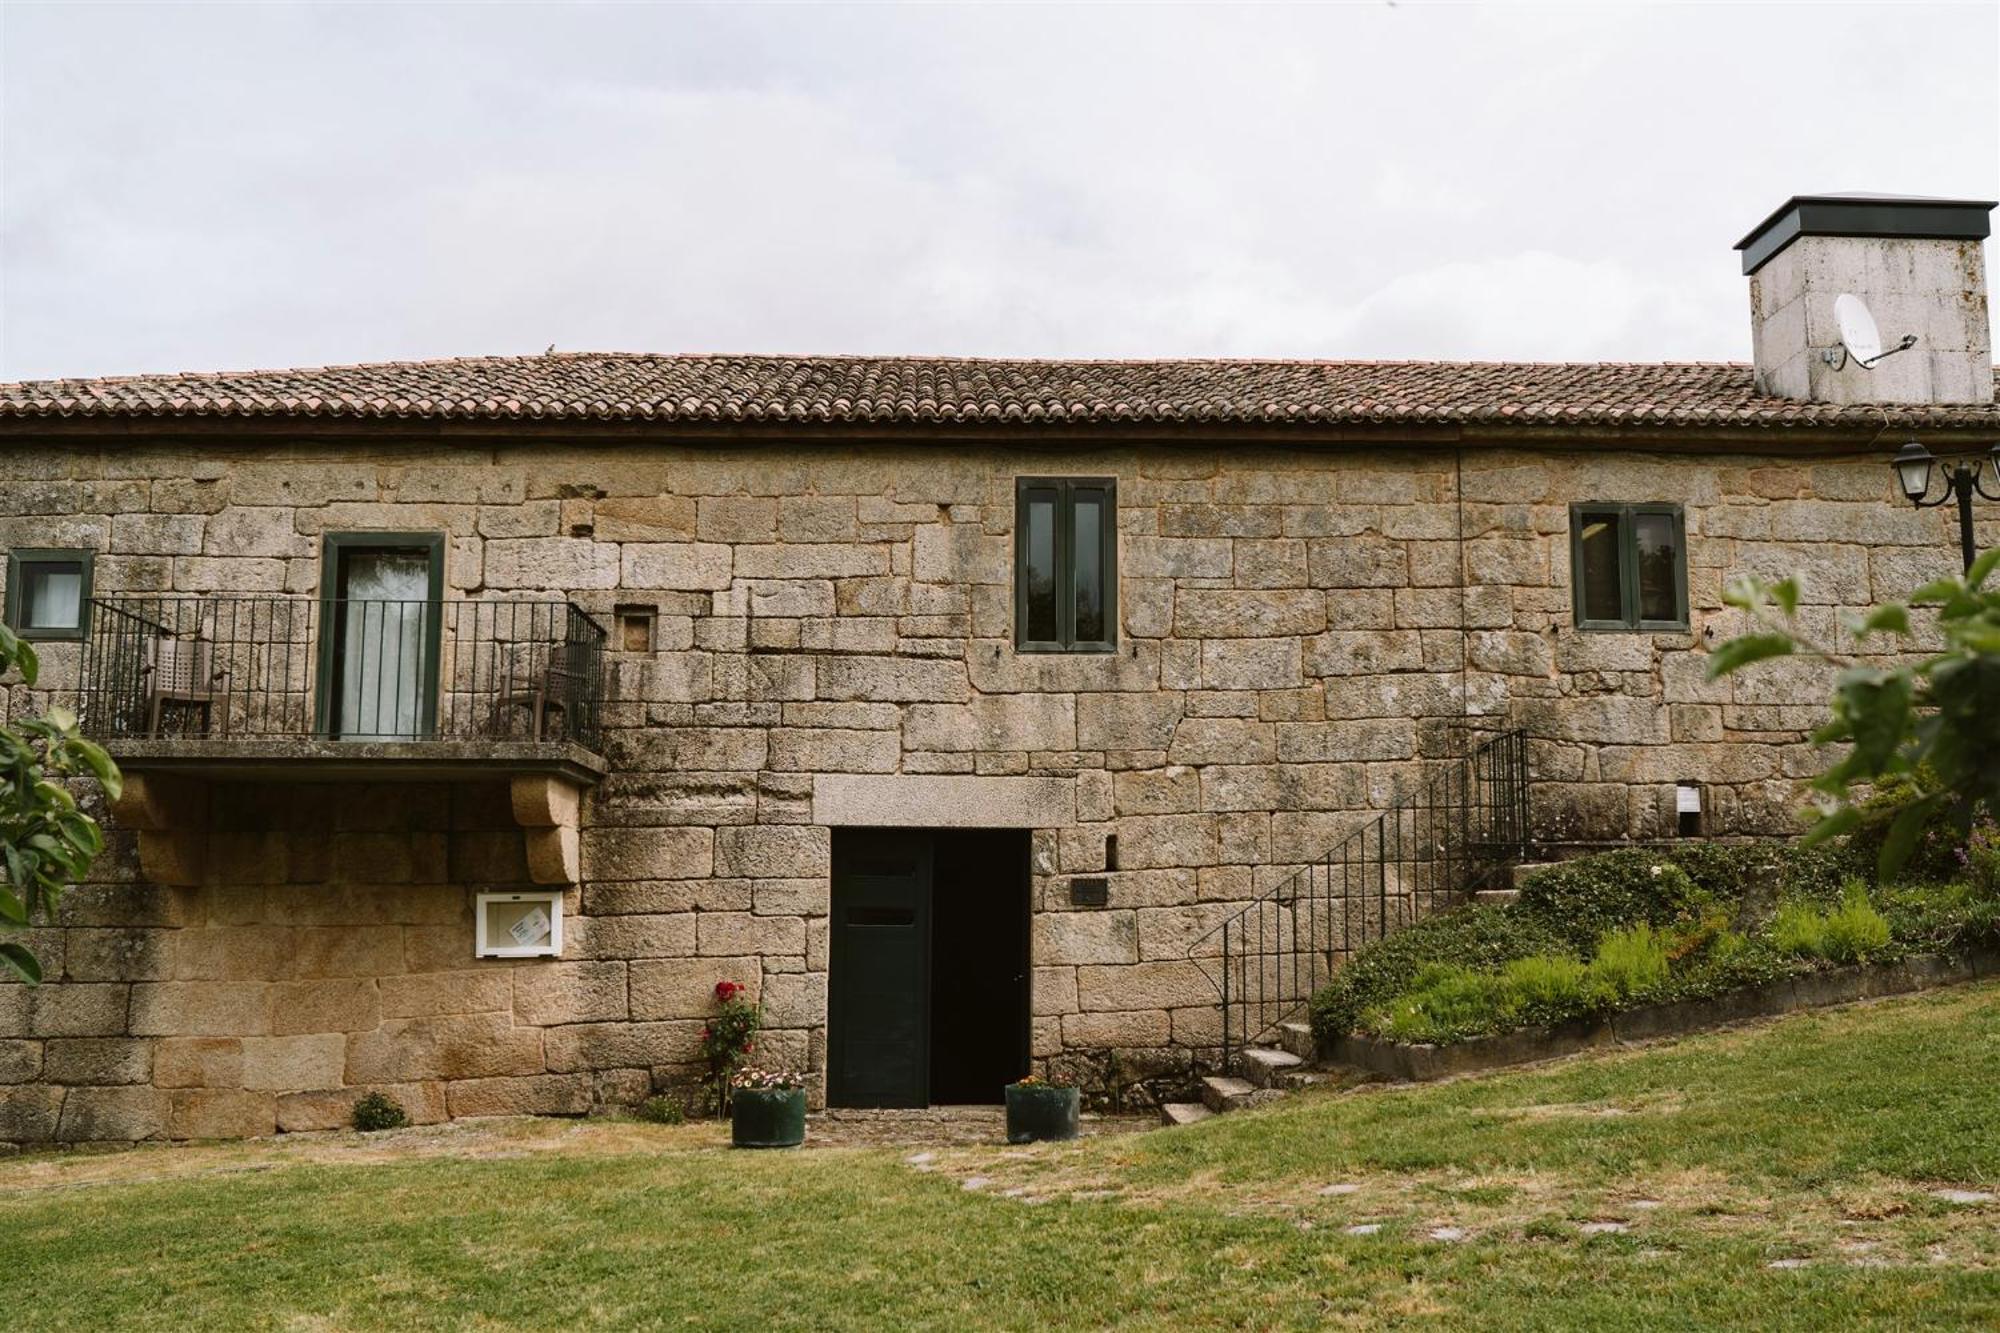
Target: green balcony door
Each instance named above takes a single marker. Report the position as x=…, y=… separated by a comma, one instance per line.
x=878, y=1006
x=379, y=635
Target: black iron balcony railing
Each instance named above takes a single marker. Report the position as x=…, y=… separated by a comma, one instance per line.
x=307, y=668
x=1428, y=852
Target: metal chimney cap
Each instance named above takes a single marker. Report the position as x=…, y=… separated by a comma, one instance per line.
x=1861, y=214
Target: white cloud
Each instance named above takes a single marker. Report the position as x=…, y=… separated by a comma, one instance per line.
x=210, y=187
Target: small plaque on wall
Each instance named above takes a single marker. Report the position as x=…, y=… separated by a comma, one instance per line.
x=1089, y=892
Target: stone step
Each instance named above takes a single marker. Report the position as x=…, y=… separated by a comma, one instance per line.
x=1265, y=1067
x=1297, y=1038
x=1183, y=1113
x=1226, y=1094
x=1496, y=897
x=1516, y=874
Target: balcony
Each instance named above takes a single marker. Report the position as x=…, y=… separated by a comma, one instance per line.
x=185, y=690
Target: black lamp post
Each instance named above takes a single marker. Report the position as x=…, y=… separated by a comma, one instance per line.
x=1913, y=473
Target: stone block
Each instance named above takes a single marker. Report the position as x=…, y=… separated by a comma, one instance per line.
x=1069, y=938
x=1363, y=652
x=1226, y=613
x=78, y=1009
x=1140, y=1028
x=993, y=722
x=628, y=937
x=539, y=1094
x=221, y=1113
x=585, y=1046
x=773, y=851
x=689, y=566
x=836, y=751
x=475, y=990
x=300, y=1112
x=30, y=1113
x=1165, y=985
x=1177, y=557
x=1166, y=791
x=729, y=934
x=198, y=1062
x=892, y=680
x=558, y=564
x=347, y=951
x=1251, y=664
x=1357, y=562
x=450, y=1046
x=736, y=518
x=97, y=1060
x=1222, y=740
x=112, y=1115
x=648, y=853
x=685, y=988
x=790, y=897
x=548, y=992
x=294, y=1064
x=795, y=1000
x=20, y=1060
x=334, y=1004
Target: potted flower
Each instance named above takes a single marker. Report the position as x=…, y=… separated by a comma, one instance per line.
x=767, y=1109
x=1041, y=1107
x=727, y=1039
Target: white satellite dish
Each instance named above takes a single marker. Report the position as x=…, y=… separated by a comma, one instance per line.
x=1859, y=338
x=1857, y=328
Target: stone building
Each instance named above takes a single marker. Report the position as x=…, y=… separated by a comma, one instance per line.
x=480, y=715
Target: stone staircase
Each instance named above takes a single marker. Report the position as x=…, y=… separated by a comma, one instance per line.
x=1262, y=1074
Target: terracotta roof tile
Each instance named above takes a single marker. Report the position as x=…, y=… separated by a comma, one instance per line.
x=860, y=390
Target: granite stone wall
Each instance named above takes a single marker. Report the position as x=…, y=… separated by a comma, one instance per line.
x=831, y=628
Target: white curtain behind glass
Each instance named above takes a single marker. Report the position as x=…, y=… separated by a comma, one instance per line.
x=55, y=598
x=383, y=617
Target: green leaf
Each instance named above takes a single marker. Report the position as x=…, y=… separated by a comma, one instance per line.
x=1744, y=592
x=1903, y=833
x=1982, y=567
x=24, y=964
x=101, y=766
x=1786, y=593
x=1749, y=648
x=1893, y=617
x=1843, y=820
x=1940, y=590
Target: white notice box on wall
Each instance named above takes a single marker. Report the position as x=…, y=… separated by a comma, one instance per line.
x=518, y=925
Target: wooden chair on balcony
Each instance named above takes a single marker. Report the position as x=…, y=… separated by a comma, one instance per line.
x=181, y=672
x=544, y=679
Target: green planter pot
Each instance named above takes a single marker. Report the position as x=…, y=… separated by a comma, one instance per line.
x=767, y=1118
x=1038, y=1111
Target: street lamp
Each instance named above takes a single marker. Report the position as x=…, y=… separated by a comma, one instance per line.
x=1913, y=473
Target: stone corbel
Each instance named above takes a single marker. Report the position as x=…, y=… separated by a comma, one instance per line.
x=546, y=809
x=170, y=815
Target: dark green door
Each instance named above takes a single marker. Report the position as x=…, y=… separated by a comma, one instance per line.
x=878, y=1002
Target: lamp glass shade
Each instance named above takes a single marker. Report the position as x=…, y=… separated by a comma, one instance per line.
x=1913, y=470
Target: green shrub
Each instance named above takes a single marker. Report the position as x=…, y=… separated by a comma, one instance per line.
x=1849, y=933
x=1630, y=962
x=1549, y=987
x=1471, y=937
x=661, y=1110
x=378, y=1110
x=1857, y=929
x=1587, y=898
x=1446, y=1002
x=1799, y=929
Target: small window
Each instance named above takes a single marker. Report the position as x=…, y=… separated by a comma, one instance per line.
x=518, y=925
x=1628, y=566
x=48, y=593
x=1066, y=565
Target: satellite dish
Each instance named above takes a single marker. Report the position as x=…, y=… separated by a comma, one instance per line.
x=1857, y=328
x=1859, y=338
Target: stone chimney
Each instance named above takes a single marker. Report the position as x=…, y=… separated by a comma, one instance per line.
x=1917, y=265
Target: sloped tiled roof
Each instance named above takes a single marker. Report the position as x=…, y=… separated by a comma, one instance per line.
x=862, y=390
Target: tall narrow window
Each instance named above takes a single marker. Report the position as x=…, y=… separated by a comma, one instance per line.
x=379, y=634
x=1066, y=565
x=48, y=593
x=1628, y=566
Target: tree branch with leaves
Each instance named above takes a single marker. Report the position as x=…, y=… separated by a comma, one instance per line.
x=46, y=842
x=1937, y=715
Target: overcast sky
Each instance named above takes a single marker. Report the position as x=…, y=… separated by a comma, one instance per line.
x=229, y=186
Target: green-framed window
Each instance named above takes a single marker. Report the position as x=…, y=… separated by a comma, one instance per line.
x=381, y=620
x=1628, y=566
x=48, y=593
x=1066, y=565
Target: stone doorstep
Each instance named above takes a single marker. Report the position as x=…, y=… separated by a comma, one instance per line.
x=1266, y=1068
x=1220, y=1093
x=1417, y=1062
x=1496, y=897
x=1183, y=1113
x=1298, y=1038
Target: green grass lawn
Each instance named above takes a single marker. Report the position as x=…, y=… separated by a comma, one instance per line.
x=1815, y=1143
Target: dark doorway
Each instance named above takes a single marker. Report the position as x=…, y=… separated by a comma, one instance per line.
x=928, y=987
x=379, y=634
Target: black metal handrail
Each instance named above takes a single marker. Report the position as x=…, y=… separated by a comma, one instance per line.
x=336, y=668
x=1429, y=851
